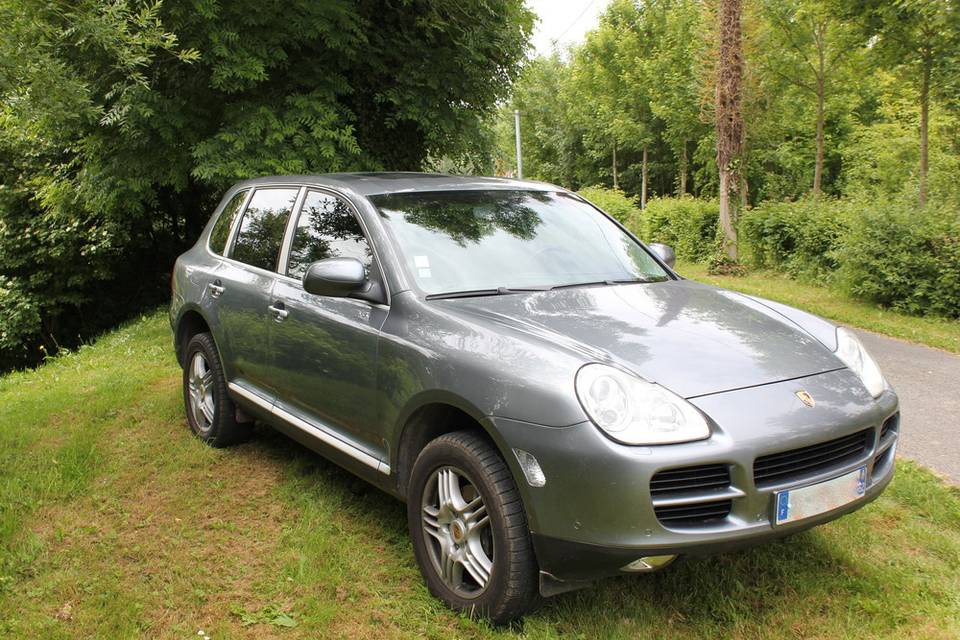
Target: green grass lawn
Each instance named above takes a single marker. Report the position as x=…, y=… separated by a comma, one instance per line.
x=933, y=332
x=115, y=522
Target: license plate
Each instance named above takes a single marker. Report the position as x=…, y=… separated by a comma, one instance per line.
x=812, y=500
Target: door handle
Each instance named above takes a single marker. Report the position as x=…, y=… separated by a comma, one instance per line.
x=278, y=311
x=216, y=289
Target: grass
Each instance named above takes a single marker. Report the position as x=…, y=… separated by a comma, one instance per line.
x=933, y=332
x=115, y=523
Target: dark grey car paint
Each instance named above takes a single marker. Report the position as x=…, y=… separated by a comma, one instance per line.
x=346, y=376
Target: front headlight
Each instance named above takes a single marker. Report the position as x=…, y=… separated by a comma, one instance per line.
x=633, y=411
x=853, y=354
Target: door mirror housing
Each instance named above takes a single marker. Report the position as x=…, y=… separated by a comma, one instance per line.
x=335, y=277
x=664, y=252
x=342, y=278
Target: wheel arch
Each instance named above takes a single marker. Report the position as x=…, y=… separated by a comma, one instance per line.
x=430, y=415
x=190, y=322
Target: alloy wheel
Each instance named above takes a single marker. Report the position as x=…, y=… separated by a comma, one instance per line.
x=202, y=403
x=459, y=536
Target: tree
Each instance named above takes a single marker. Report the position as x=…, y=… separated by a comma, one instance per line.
x=673, y=70
x=729, y=117
x=613, y=101
x=922, y=38
x=806, y=45
x=123, y=121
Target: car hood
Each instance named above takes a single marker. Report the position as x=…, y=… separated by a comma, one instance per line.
x=691, y=338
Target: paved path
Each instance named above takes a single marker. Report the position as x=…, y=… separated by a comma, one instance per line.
x=928, y=383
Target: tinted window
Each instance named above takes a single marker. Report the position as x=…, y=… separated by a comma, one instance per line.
x=261, y=229
x=221, y=228
x=467, y=240
x=326, y=228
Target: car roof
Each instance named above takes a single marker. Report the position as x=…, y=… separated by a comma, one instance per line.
x=375, y=183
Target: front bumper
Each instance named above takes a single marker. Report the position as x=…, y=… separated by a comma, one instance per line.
x=595, y=512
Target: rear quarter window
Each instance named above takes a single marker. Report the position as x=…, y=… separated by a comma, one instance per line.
x=221, y=228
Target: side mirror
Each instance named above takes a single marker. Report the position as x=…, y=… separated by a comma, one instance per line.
x=664, y=252
x=336, y=277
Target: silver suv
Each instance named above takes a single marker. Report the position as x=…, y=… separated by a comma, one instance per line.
x=553, y=403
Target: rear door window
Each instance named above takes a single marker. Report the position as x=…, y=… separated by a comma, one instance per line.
x=261, y=228
x=221, y=228
x=326, y=228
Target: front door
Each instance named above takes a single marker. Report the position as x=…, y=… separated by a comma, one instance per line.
x=326, y=348
x=244, y=284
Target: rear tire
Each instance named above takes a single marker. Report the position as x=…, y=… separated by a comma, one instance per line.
x=469, y=530
x=211, y=413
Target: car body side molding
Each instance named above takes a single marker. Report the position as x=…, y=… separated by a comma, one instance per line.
x=315, y=430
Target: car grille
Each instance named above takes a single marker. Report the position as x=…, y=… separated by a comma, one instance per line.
x=798, y=464
x=697, y=489
x=889, y=426
x=694, y=515
x=884, y=455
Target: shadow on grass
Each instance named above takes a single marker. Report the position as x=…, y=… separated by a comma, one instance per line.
x=764, y=585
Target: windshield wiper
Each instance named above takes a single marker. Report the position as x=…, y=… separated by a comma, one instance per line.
x=500, y=291
x=477, y=293
x=600, y=283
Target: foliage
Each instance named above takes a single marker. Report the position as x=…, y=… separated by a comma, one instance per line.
x=905, y=258
x=723, y=265
x=892, y=254
x=689, y=225
x=614, y=202
x=123, y=121
x=801, y=238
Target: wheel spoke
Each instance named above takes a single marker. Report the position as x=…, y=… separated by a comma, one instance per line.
x=198, y=363
x=448, y=566
x=207, y=408
x=430, y=524
x=475, y=561
x=476, y=515
x=207, y=379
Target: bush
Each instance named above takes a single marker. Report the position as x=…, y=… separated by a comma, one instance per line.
x=801, y=238
x=905, y=258
x=687, y=224
x=614, y=202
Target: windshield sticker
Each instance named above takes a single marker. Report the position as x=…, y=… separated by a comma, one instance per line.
x=421, y=262
x=424, y=273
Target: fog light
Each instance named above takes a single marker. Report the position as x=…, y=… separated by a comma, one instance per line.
x=648, y=563
x=531, y=468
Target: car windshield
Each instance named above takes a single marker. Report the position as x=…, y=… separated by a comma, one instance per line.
x=496, y=241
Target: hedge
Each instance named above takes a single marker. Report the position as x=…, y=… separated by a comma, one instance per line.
x=893, y=254
x=687, y=224
x=905, y=258
x=800, y=238
x=613, y=201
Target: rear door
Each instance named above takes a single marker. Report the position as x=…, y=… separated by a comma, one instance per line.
x=326, y=348
x=243, y=285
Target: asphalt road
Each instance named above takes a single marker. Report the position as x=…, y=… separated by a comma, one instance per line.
x=928, y=383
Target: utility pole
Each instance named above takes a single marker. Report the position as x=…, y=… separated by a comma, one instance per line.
x=516, y=123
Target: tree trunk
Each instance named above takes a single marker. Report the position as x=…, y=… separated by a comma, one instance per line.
x=821, y=91
x=643, y=186
x=727, y=213
x=818, y=166
x=615, y=185
x=684, y=161
x=729, y=114
x=924, y=126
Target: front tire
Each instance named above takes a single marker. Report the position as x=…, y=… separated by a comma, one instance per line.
x=469, y=530
x=211, y=413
